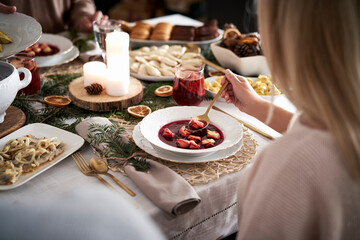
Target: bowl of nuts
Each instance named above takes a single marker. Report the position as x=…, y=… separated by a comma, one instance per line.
x=241, y=53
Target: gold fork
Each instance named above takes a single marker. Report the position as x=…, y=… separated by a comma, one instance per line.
x=85, y=168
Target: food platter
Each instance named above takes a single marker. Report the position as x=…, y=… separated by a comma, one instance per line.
x=145, y=145
x=152, y=78
x=137, y=43
x=24, y=31
x=72, y=143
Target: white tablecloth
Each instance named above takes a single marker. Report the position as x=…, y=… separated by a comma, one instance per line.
x=214, y=217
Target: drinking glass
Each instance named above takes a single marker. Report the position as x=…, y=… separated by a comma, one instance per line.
x=29, y=63
x=101, y=29
x=188, y=88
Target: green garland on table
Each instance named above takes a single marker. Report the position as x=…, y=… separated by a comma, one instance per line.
x=37, y=111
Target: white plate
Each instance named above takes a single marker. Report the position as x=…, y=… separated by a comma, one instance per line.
x=72, y=143
x=136, y=42
x=153, y=122
x=145, y=145
x=63, y=43
x=60, y=59
x=213, y=94
x=24, y=31
x=152, y=79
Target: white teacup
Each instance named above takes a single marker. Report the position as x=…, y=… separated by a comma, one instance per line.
x=10, y=84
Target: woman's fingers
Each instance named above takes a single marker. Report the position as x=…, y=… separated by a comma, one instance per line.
x=7, y=9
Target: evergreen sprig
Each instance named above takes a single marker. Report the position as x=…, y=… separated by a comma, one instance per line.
x=140, y=164
x=112, y=137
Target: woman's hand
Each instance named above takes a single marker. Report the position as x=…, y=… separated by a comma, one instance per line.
x=240, y=93
x=7, y=9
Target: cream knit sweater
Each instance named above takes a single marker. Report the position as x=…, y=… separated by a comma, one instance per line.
x=299, y=188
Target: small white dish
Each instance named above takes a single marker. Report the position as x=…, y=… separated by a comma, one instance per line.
x=246, y=66
x=152, y=79
x=60, y=59
x=24, y=31
x=213, y=94
x=63, y=43
x=266, y=97
x=72, y=143
x=145, y=145
x=153, y=122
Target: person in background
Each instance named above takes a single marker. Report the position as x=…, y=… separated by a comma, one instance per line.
x=306, y=184
x=57, y=15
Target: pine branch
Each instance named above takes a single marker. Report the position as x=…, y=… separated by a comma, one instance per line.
x=111, y=136
x=140, y=164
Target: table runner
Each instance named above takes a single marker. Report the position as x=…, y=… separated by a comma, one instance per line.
x=198, y=173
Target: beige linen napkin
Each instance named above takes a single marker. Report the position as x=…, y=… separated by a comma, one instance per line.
x=165, y=188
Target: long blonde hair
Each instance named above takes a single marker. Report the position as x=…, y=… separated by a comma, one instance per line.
x=313, y=51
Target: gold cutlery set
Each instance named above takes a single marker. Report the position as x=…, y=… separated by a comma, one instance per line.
x=92, y=170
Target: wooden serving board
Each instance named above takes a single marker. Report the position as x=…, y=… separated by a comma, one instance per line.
x=105, y=102
x=14, y=119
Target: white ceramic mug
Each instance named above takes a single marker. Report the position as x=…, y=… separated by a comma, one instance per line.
x=10, y=84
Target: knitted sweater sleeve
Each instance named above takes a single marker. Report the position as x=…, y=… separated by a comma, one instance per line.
x=278, y=201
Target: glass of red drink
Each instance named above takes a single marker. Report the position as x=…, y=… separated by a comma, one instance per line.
x=188, y=88
x=29, y=63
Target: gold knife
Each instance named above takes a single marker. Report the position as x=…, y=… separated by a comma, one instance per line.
x=246, y=125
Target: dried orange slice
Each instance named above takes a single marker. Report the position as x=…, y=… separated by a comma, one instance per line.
x=231, y=32
x=164, y=91
x=57, y=101
x=139, y=111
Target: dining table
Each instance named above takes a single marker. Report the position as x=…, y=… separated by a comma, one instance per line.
x=214, y=217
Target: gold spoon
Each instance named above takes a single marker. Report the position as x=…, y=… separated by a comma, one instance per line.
x=102, y=168
x=205, y=117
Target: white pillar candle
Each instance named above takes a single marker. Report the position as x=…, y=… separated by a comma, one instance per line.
x=94, y=72
x=117, y=57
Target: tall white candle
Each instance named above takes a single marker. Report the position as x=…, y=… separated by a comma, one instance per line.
x=117, y=57
x=94, y=72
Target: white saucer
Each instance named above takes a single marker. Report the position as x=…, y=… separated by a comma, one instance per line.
x=145, y=145
x=60, y=59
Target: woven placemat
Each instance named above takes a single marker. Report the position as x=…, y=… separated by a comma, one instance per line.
x=200, y=173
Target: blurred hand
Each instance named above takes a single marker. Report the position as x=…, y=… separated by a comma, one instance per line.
x=85, y=23
x=240, y=93
x=7, y=9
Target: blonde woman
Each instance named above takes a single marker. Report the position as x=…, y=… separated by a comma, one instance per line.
x=306, y=184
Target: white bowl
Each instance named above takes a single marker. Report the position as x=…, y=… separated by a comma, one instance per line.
x=246, y=66
x=64, y=45
x=213, y=94
x=153, y=122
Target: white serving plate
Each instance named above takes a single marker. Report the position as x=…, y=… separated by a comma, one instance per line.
x=72, y=143
x=246, y=66
x=152, y=123
x=63, y=43
x=151, y=78
x=60, y=59
x=24, y=31
x=145, y=145
x=137, y=43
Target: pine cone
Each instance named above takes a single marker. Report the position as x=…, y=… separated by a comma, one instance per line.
x=246, y=50
x=94, y=89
